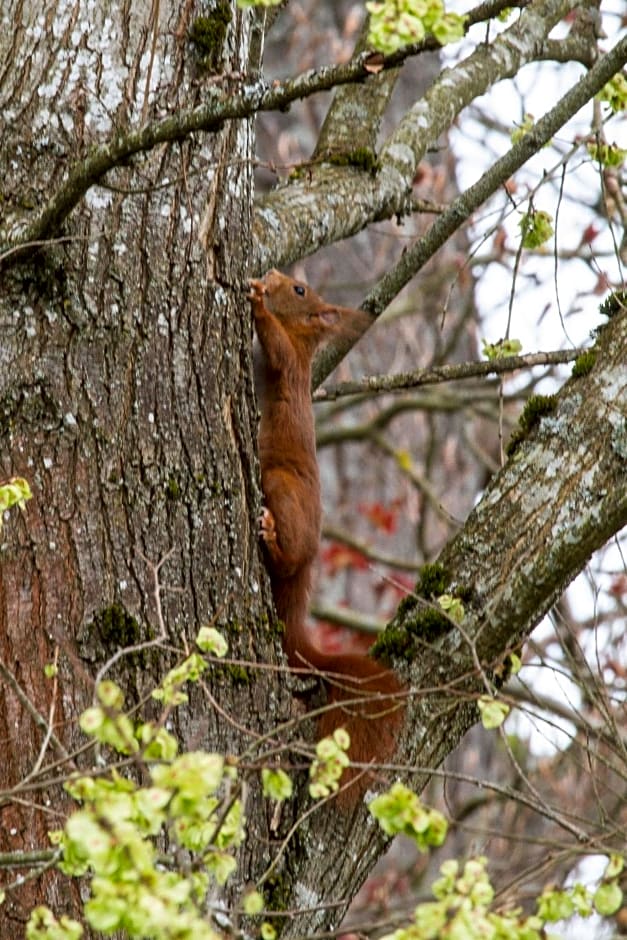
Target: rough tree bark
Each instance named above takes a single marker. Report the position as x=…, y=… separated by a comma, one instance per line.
x=125, y=391
x=561, y=496
x=126, y=401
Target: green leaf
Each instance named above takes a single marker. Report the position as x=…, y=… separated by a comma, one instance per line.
x=329, y=764
x=504, y=347
x=110, y=694
x=14, y=492
x=91, y=720
x=536, y=227
x=582, y=900
x=276, y=784
x=397, y=23
x=210, y=640
x=515, y=664
x=157, y=743
x=189, y=670
x=615, y=865
x=85, y=844
x=615, y=93
x=106, y=912
x=150, y=804
x=610, y=155
x=431, y=918
x=521, y=129
x=43, y=925
x=231, y=832
x=493, y=712
x=194, y=774
x=452, y=606
x=50, y=670
x=449, y=28
x=608, y=898
x=555, y=905
x=399, y=810
x=221, y=865
x=253, y=903
x=342, y=738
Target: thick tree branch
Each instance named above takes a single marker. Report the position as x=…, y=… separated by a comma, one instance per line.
x=356, y=111
x=557, y=500
x=337, y=202
x=220, y=106
x=460, y=210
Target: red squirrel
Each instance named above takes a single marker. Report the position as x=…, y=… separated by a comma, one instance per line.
x=291, y=321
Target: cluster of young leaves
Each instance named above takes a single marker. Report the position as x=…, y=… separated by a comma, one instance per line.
x=452, y=607
x=606, y=899
x=170, y=692
x=536, y=227
x=501, y=349
x=330, y=762
x=113, y=836
x=397, y=23
x=43, y=925
x=192, y=797
x=615, y=93
x=462, y=909
x=14, y=492
x=399, y=811
x=610, y=155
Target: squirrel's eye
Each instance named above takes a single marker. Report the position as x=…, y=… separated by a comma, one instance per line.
x=300, y=290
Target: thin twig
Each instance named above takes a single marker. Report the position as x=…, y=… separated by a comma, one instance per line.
x=147, y=644
x=39, y=720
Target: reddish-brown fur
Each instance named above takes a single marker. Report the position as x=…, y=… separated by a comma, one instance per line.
x=291, y=321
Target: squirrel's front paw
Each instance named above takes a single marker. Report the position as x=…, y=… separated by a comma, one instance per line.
x=257, y=289
x=267, y=526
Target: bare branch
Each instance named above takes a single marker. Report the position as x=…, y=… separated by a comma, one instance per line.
x=436, y=374
x=460, y=210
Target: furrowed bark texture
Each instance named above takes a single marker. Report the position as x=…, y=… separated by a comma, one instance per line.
x=125, y=398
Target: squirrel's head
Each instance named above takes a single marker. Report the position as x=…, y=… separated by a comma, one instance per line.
x=303, y=313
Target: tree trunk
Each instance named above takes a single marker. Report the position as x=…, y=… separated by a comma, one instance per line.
x=126, y=402
x=125, y=397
